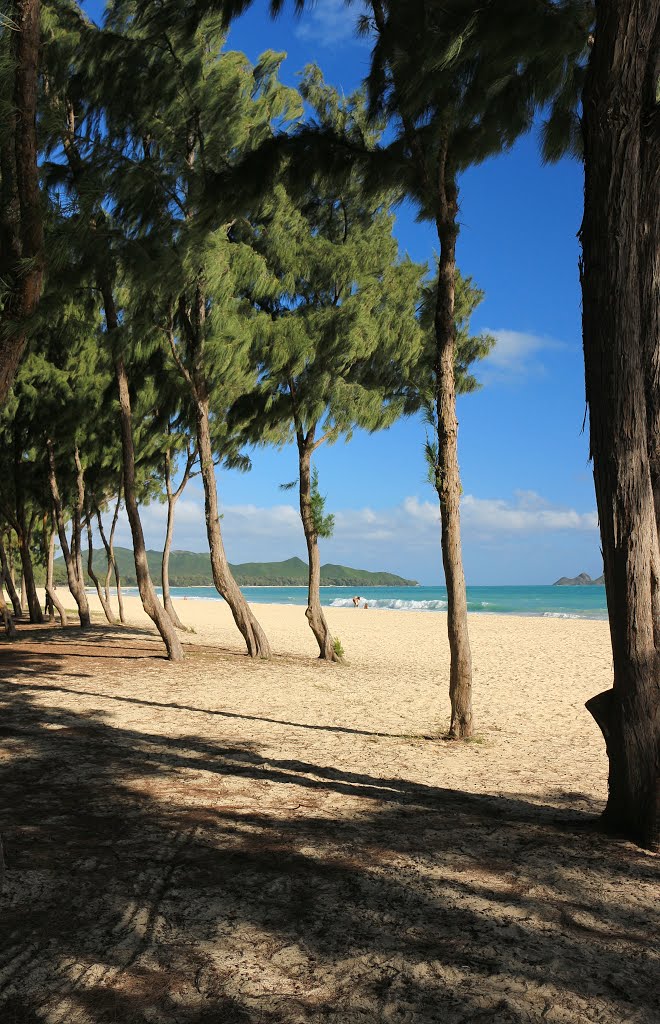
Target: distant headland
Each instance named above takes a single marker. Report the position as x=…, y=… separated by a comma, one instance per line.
x=193, y=569
x=583, y=580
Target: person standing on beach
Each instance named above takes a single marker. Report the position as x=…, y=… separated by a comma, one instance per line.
x=356, y=602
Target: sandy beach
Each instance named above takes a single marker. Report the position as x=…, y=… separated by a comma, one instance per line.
x=230, y=841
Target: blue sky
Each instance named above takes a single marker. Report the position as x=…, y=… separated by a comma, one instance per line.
x=528, y=508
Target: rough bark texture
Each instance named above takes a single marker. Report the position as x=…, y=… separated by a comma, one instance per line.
x=9, y=581
x=105, y=604
x=616, y=350
x=21, y=231
x=255, y=638
x=649, y=227
x=448, y=480
x=70, y=553
x=5, y=614
x=314, y=611
x=150, y=602
x=51, y=593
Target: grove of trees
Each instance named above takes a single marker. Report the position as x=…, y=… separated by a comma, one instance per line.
x=196, y=258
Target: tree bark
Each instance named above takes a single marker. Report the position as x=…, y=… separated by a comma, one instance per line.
x=70, y=553
x=28, y=587
x=255, y=638
x=21, y=230
x=314, y=611
x=649, y=226
x=7, y=617
x=616, y=351
x=447, y=475
x=8, y=574
x=105, y=604
x=51, y=593
x=150, y=602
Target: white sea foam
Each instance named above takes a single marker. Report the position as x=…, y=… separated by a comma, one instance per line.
x=562, y=615
x=394, y=604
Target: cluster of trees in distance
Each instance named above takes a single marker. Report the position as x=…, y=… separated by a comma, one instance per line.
x=197, y=258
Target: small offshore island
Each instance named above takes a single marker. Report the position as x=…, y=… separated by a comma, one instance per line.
x=583, y=580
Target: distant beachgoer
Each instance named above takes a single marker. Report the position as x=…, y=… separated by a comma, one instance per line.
x=356, y=602
x=366, y=605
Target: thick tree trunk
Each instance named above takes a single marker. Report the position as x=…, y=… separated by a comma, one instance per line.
x=150, y=602
x=172, y=499
x=107, y=609
x=255, y=638
x=70, y=553
x=8, y=574
x=5, y=614
x=649, y=226
x=616, y=360
x=447, y=477
x=21, y=231
x=109, y=545
x=314, y=611
x=51, y=593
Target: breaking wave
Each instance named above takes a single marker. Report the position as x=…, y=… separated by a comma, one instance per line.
x=394, y=603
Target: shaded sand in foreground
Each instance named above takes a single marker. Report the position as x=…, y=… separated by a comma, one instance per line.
x=224, y=841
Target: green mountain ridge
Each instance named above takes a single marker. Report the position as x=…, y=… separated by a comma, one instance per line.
x=193, y=569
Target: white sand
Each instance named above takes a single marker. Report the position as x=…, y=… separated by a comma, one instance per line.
x=224, y=841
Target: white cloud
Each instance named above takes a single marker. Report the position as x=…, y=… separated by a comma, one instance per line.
x=516, y=354
x=328, y=22
x=529, y=513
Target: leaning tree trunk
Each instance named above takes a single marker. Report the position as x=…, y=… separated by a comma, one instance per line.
x=9, y=582
x=105, y=604
x=255, y=638
x=21, y=230
x=70, y=553
x=172, y=499
x=314, y=611
x=447, y=474
x=616, y=358
x=5, y=614
x=51, y=593
x=109, y=545
x=150, y=602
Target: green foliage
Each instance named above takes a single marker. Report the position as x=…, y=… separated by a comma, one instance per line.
x=338, y=648
x=324, y=525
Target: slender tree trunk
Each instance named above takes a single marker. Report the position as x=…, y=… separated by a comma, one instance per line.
x=7, y=617
x=21, y=230
x=49, y=544
x=255, y=638
x=172, y=499
x=109, y=545
x=616, y=360
x=8, y=573
x=447, y=477
x=70, y=553
x=314, y=611
x=105, y=604
x=150, y=602
x=28, y=587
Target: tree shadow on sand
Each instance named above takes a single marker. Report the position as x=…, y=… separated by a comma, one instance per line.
x=153, y=878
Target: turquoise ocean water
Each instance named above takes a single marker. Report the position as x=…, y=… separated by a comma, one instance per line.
x=552, y=602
